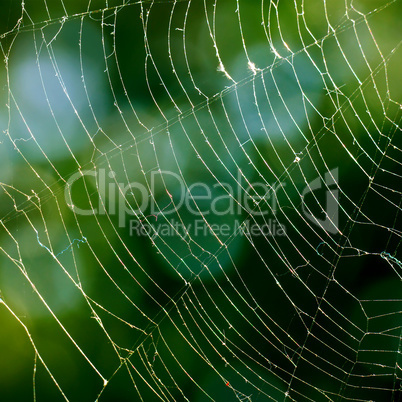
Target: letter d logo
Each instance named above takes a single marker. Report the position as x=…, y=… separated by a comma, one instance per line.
x=331, y=221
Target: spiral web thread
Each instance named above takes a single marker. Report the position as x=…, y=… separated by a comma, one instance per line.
x=290, y=112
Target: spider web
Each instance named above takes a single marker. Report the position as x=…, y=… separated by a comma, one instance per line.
x=201, y=200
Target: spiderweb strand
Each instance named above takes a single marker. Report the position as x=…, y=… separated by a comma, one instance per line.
x=201, y=200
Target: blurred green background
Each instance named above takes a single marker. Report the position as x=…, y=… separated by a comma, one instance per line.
x=204, y=90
